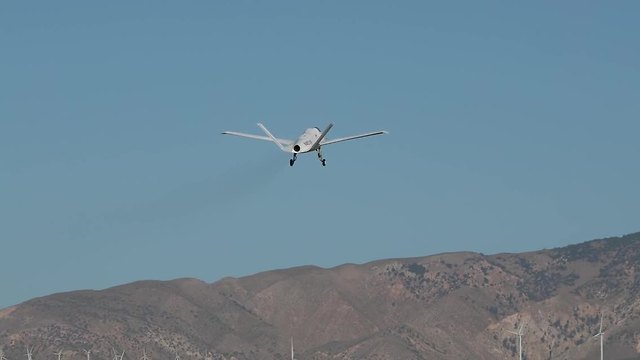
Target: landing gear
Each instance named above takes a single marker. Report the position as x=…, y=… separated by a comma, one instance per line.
x=322, y=160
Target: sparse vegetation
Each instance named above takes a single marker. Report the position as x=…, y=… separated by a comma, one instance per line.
x=418, y=309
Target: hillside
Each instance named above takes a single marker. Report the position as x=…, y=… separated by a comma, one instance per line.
x=446, y=306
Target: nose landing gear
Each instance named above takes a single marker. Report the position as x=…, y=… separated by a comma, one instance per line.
x=293, y=161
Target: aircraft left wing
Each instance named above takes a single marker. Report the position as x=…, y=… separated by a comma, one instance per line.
x=333, y=141
x=284, y=142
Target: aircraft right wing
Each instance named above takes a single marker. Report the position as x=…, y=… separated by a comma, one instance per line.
x=333, y=141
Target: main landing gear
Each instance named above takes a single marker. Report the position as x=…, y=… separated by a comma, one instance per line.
x=295, y=157
x=322, y=160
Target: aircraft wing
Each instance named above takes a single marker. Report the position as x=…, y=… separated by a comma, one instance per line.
x=333, y=141
x=283, y=142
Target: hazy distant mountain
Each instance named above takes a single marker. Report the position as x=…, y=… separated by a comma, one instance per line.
x=448, y=306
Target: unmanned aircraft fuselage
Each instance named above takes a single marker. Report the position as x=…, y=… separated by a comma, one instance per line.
x=311, y=140
x=305, y=143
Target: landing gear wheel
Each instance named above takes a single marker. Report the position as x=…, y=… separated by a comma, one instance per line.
x=324, y=162
x=291, y=162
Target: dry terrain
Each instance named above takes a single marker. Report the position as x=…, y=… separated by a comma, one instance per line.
x=447, y=306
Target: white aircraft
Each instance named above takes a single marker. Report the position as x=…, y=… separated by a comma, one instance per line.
x=311, y=140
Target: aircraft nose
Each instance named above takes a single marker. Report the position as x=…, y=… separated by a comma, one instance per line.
x=296, y=148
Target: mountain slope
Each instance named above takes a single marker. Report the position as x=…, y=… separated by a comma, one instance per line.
x=447, y=306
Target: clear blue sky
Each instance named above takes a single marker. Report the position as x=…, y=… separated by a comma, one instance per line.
x=513, y=127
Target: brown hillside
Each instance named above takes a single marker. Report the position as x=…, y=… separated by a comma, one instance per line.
x=448, y=306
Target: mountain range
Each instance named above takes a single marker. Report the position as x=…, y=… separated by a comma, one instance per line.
x=448, y=306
